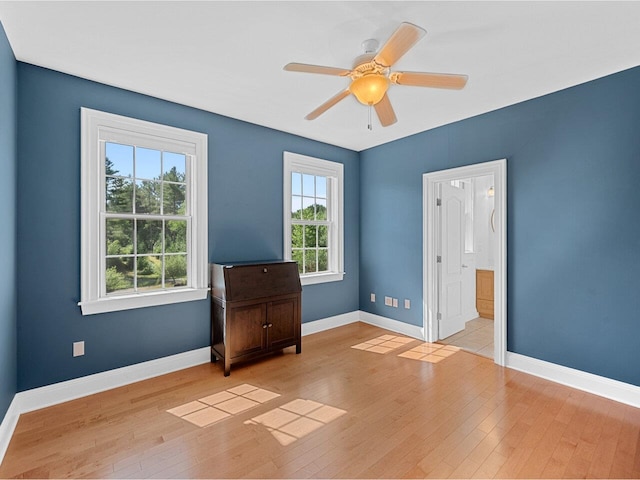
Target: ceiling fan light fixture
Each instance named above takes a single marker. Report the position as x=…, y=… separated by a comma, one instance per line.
x=371, y=75
x=369, y=89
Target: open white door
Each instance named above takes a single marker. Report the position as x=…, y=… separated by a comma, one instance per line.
x=451, y=311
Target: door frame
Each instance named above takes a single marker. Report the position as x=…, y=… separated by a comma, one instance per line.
x=430, y=183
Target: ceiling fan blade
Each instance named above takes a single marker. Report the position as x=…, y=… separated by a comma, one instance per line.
x=434, y=80
x=306, y=68
x=328, y=104
x=405, y=37
x=385, y=111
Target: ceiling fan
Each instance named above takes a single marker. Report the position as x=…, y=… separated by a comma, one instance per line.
x=370, y=76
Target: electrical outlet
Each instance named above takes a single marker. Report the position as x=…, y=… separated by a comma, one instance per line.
x=395, y=303
x=407, y=303
x=78, y=349
x=373, y=297
x=388, y=301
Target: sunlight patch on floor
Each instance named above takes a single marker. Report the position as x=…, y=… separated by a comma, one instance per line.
x=296, y=419
x=430, y=352
x=209, y=410
x=383, y=344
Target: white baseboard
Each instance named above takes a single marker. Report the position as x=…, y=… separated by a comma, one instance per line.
x=393, y=325
x=48, y=395
x=365, y=317
x=8, y=425
x=588, y=382
x=328, y=323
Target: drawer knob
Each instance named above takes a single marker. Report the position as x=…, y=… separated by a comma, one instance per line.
x=264, y=270
x=264, y=326
x=270, y=325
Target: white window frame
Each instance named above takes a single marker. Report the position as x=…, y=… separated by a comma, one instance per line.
x=97, y=128
x=294, y=162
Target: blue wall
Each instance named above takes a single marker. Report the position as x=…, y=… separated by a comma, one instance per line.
x=573, y=238
x=8, y=158
x=573, y=175
x=245, y=223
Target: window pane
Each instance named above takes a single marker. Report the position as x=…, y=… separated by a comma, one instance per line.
x=173, y=198
x=119, y=236
x=323, y=233
x=296, y=256
x=119, y=274
x=308, y=210
x=147, y=197
x=175, y=271
x=310, y=261
x=296, y=183
x=175, y=239
x=147, y=163
x=119, y=160
x=296, y=207
x=119, y=195
x=323, y=260
x=321, y=209
x=296, y=236
x=308, y=187
x=149, y=236
x=310, y=236
x=149, y=273
x=321, y=187
x=174, y=166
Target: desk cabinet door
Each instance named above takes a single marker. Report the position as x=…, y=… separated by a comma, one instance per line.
x=284, y=318
x=247, y=329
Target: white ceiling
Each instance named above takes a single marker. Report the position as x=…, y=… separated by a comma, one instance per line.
x=227, y=57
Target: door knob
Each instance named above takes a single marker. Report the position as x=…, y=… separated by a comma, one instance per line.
x=465, y=266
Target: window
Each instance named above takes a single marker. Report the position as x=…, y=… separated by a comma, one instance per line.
x=313, y=212
x=144, y=214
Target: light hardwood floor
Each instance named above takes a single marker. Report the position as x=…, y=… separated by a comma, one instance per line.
x=390, y=407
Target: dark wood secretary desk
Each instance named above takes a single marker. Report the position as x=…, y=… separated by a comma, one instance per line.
x=255, y=309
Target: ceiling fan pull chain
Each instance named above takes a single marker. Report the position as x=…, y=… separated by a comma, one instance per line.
x=369, y=126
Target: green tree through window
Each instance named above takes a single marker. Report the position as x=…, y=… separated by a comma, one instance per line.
x=146, y=219
x=310, y=223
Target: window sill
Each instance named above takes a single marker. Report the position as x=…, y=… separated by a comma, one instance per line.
x=321, y=278
x=128, y=302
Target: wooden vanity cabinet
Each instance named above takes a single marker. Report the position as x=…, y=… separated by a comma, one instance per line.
x=255, y=310
x=484, y=293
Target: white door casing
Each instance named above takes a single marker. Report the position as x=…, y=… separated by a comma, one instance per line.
x=451, y=318
x=497, y=168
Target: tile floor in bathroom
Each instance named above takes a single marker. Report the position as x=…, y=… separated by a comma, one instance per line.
x=477, y=337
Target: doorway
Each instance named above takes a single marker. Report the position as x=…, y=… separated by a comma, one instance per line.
x=456, y=255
